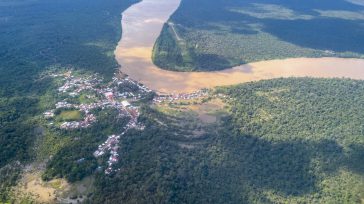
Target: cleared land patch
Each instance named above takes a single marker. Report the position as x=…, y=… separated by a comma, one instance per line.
x=70, y=115
x=32, y=188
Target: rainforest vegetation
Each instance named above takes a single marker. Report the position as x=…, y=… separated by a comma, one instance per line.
x=205, y=36
x=295, y=140
x=282, y=141
x=34, y=36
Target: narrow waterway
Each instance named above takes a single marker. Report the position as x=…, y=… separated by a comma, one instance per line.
x=142, y=24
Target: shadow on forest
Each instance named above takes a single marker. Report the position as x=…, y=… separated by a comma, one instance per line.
x=286, y=167
x=338, y=28
x=355, y=159
x=322, y=34
x=226, y=168
x=246, y=162
x=209, y=61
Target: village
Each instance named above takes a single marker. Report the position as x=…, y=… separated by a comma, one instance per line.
x=119, y=94
x=170, y=98
x=104, y=96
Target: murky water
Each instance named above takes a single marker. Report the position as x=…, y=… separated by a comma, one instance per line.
x=142, y=24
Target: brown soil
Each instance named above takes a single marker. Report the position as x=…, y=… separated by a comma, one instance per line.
x=31, y=185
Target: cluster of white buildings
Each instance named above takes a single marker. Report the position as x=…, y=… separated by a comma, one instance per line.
x=49, y=114
x=141, y=87
x=109, y=96
x=111, y=145
x=74, y=85
x=85, y=123
x=64, y=104
x=106, y=96
x=182, y=96
x=70, y=125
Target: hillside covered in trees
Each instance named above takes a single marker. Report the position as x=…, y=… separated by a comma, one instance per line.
x=37, y=35
x=279, y=141
x=296, y=140
x=205, y=36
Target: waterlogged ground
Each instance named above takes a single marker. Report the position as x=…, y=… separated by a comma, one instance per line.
x=142, y=24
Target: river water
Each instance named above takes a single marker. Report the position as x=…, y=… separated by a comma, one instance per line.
x=142, y=24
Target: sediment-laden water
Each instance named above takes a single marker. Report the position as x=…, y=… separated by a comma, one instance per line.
x=142, y=24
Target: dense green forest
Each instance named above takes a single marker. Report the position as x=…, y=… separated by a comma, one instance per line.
x=214, y=36
x=282, y=141
x=296, y=140
x=34, y=36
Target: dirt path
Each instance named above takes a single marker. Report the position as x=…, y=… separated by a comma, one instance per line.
x=174, y=31
x=142, y=24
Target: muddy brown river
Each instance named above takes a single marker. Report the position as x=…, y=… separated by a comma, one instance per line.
x=142, y=24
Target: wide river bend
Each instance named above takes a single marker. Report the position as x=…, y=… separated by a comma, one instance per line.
x=142, y=24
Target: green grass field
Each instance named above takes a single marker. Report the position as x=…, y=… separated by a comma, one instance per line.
x=70, y=115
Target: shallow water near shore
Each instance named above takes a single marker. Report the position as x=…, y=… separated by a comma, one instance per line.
x=142, y=24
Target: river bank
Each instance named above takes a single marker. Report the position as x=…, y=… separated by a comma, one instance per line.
x=142, y=24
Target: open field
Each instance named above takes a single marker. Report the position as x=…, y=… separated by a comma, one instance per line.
x=206, y=111
x=32, y=188
x=70, y=115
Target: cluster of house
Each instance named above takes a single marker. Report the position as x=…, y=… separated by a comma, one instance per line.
x=222, y=96
x=133, y=113
x=106, y=96
x=110, y=145
x=64, y=104
x=110, y=96
x=85, y=123
x=140, y=86
x=75, y=85
x=183, y=96
x=49, y=114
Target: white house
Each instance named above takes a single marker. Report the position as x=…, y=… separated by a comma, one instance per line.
x=125, y=103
